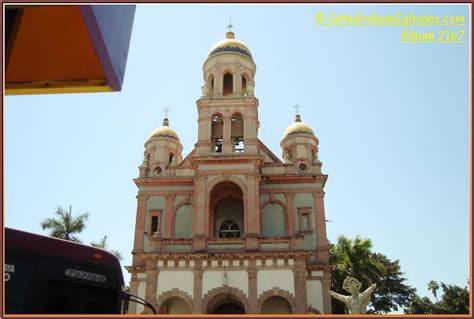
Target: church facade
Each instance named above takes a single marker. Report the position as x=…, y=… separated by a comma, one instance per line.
x=230, y=227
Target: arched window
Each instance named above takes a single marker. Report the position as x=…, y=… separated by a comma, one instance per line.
x=237, y=132
x=228, y=84
x=273, y=221
x=229, y=229
x=171, y=158
x=183, y=222
x=217, y=133
x=244, y=85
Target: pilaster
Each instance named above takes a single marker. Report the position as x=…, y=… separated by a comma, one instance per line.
x=253, y=298
x=197, y=299
x=200, y=215
x=300, y=286
x=169, y=216
x=139, y=226
x=326, y=283
x=132, y=306
x=227, y=146
x=151, y=284
x=321, y=227
x=290, y=206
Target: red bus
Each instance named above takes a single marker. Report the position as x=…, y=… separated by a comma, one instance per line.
x=46, y=275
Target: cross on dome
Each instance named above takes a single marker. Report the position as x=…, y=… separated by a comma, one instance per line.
x=297, y=107
x=166, y=110
x=230, y=26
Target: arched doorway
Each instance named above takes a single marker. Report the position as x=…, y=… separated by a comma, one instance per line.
x=276, y=305
x=175, y=305
x=229, y=308
x=225, y=303
x=227, y=211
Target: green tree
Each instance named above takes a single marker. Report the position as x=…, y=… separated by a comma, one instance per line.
x=355, y=258
x=103, y=244
x=433, y=287
x=420, y=305
x=455, y=300
x=65, y=226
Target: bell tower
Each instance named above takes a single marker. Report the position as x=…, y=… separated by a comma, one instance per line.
x=227, y=160
x=228, y=109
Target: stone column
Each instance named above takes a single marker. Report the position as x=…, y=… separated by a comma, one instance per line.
x=300, y=286
x=139, y=227
x=197, y=299
x=253, y=297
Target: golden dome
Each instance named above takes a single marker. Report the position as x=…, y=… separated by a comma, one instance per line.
x=165, y=131
x=230, y=44
x=298, y=127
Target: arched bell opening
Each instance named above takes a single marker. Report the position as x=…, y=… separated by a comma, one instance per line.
x=227, y=211
x=217, y=133
x=228, y=88
x=237, y=133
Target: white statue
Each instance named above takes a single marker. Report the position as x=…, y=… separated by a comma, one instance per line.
x=357, y=302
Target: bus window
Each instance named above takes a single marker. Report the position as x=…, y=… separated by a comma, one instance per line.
x=64, y=297
x=17, y=277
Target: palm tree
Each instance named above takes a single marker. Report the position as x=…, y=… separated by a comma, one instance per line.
x=103, y=244
x=66, y=225
x=353, y=258
x=433, y=286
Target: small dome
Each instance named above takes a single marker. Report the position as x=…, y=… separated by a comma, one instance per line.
x=230, y=44
x=298, y=127
x=165, y=131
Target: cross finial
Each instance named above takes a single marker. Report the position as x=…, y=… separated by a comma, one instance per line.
x=230, y=26
x=166, y=110
x=296, y=107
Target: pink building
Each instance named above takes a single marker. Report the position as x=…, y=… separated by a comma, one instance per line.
x=231, y=228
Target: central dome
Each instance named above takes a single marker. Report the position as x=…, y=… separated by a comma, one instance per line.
x=229, y=45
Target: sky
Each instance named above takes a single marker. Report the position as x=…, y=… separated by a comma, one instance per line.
x=392, y=121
